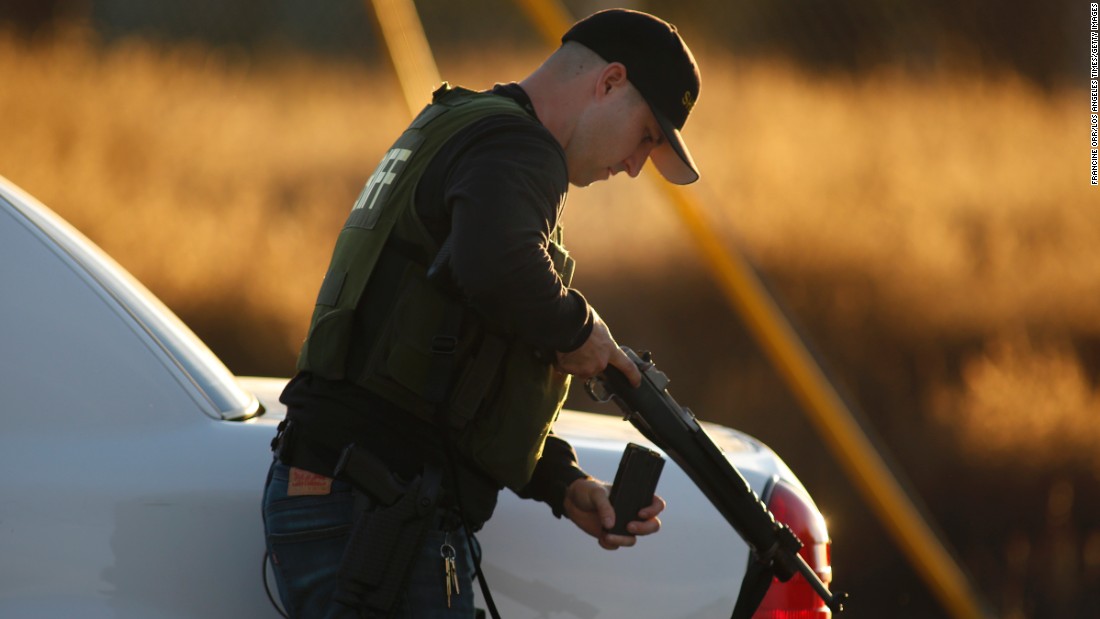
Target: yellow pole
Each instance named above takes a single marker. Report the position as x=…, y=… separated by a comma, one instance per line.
x=830, y=415
x=744, y=291
x=551, y=18
x=409, y=50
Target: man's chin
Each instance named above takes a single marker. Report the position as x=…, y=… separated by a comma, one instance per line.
x=586, y=182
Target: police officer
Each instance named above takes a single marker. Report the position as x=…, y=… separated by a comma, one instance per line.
x=445, y=332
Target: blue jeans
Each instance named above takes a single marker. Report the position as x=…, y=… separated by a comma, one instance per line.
x=306, y=536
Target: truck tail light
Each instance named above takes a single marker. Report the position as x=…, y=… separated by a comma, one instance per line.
x=795, y=599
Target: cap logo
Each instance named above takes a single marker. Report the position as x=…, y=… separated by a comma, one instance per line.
x=688, y=101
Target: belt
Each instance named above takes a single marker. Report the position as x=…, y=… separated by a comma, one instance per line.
x=294, y=446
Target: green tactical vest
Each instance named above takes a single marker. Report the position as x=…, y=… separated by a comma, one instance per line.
x=422, y=346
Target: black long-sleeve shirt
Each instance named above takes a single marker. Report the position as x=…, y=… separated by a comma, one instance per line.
x=496, y=188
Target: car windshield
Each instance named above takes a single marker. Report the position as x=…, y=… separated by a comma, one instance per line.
x=190, y=355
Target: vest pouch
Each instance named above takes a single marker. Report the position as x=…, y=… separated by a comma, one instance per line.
x=405, y=364
x=506, y=437
x=327, y=345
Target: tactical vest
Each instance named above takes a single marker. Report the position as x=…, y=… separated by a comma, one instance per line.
x=414, y=342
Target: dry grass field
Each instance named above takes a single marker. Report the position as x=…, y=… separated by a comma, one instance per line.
x=934, y=235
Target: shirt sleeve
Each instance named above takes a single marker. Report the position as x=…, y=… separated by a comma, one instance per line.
x=555, y=470
x=503, y=184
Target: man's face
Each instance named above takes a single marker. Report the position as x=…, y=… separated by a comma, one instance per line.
x=616, y=134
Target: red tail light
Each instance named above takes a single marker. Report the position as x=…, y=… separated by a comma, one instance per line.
x=795, y=599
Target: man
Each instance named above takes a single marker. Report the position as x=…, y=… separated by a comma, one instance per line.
x=445, y=332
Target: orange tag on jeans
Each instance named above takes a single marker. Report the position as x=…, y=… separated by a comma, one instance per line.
x=304, y=483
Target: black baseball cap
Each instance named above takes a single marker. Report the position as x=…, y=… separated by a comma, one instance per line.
x=660, y=65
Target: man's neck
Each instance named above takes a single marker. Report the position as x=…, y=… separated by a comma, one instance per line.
x=553, y=110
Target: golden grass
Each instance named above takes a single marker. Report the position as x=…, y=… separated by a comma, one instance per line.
x=201, y=174
x=948, y=204
x=964, y=198
x=1025, y=401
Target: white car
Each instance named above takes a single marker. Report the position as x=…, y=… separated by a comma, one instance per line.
x=132, y=464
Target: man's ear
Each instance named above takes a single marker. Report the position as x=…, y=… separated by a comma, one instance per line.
x=613, y=76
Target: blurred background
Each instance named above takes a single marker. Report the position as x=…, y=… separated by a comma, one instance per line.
x=910, y=179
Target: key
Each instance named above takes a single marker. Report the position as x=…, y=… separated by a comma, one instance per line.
x=454, y=576
x=447, y=580
x=450, y=575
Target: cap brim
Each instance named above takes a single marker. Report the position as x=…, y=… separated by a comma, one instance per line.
x=672, y=159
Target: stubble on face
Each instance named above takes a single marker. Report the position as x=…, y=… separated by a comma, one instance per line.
x=609, y=134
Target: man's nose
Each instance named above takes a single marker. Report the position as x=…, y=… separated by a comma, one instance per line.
x=636, y=162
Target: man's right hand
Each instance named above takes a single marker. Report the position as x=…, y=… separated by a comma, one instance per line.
x=597, y=352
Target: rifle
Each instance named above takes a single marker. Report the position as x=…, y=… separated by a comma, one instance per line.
x=674, y=429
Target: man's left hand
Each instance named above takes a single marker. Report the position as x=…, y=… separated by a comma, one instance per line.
x=588, y=505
